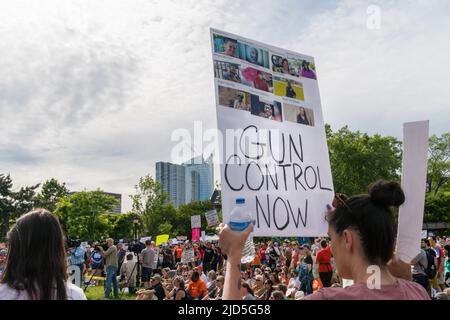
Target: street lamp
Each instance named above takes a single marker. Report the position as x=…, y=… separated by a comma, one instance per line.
x=135, y=222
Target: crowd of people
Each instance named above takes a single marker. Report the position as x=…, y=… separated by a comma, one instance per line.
x=361, y=234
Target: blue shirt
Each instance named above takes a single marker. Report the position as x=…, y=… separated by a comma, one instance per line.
x=76, y=256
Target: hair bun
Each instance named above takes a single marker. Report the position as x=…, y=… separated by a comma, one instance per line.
x=387, y=193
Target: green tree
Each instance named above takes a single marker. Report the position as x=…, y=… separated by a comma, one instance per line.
x=52, y=192
x=438, y=177
x=437, y=207
x=182, y=225
x=358, y=159
x=121, y=225
x=83, y=215
x=150, y=203
x=13, y=204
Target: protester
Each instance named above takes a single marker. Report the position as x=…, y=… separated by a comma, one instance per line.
x=37, y=240
x=147, y=258
x=76, y=259
x=362, y=234
x=197, y=287
x=305, y=271
x=178, y=292
x=323, y=258
x=128, y=271
x=420, y=265
x=111, y=265
x=247, y=292
x=121, y=253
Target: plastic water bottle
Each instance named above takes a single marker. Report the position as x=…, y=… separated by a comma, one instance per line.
x=240, y=218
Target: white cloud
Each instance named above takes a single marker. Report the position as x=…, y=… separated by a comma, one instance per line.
x=90, y=91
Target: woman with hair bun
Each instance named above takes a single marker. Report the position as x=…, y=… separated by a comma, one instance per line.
x=362, y=233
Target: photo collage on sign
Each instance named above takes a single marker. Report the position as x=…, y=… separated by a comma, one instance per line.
x=243, y=64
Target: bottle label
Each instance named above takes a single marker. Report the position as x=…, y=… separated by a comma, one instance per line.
x=239, y=226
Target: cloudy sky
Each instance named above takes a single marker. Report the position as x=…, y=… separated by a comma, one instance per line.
x=91, y=91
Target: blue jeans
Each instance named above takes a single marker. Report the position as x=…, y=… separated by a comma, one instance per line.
x=111, y=277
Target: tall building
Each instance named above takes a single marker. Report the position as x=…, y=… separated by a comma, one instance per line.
x=172, y=179
x=190, y=181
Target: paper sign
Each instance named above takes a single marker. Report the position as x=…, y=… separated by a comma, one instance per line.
x=273, y=148
x=162, y=239
x=212, y=218
x=143, y=239
x=195, y=235
x=196, y=222
x=188, y=256
x=203, y=237
x=424, y=234
x=414, y=174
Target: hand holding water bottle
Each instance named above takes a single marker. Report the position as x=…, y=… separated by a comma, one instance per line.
x=232, y=242
x=239, y=229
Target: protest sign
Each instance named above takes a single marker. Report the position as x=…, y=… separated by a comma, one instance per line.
x=414, y=174
x=196, y=222
x=188, y=256
x=195, y=234
x=203, y=235
x=273, y=149
x=143, y=239
x=162, y=238
x=212, y=218
x=424, y=234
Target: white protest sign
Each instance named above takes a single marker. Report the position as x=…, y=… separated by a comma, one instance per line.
x=212, y=218
x=196, y=222
x=273, y=149
x=414, y=174
x=187, y=256
x=143, y=239
x=203, y=237
x=424, y=234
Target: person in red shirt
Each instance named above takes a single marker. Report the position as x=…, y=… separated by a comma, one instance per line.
x=323, y=258
x=197, y=287
x=178, y=251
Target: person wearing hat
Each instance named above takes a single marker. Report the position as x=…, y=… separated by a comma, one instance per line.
x=155, y=292
x=202, y=275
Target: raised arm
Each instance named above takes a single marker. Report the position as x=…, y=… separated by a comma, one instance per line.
x=232, y=244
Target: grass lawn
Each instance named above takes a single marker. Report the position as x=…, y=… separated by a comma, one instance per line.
x=97, y=293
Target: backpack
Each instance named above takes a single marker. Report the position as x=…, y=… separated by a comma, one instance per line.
x=96, y=257
x=431, y=269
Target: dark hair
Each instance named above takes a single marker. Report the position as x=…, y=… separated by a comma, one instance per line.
x=371, y=216
x=247, y=286
x=323, y=243
x=195, y=276
x=130, y=256
x=180, y=282
x=277, y=295
x=148, y=242
x=36, y=259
